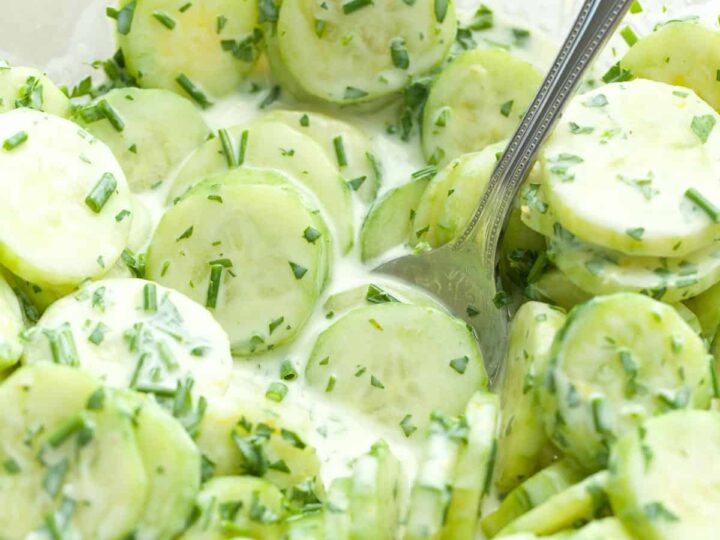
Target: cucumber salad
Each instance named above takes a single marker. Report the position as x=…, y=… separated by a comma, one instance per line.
x=193, y=344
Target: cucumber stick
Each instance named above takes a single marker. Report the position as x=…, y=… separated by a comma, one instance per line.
x=681, y=53
x=160, y=130
x=478, y=100
x=313, y=43
x=276, y=145
x=400, y=348
x=28, y=87
x=72, y=458
x=618, y=360
x=389, y=221
x=58, y=221
x=11, y=324
x=187, y=49
x=261, y=282
x=585, y=173
x=523, y=443
x=665, y=480
x=134, y=333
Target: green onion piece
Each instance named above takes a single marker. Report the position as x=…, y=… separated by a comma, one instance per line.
x=194, y=91
x=111, y=114
x=340, y=151
x=271, y=97
x=163, y=18
x=11, y=143
x=353, y=5
x=214, y=285
x=399, y=53
x=704, y=204
x=150, y=297
x=243, y=147
x=288, y=371
x=629, y=35
x=100, y=194
x=228, y=148
x=441, y=9
x=276, y=392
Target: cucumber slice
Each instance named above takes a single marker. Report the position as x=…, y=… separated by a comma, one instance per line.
x=707, y=308
x=239, y=428
x=11, y=324
x=374, y=494
x=605, y=271
x=618, y=360
x=172, y=464
x=376, y=358
x=522, y=446
x=449, y=202
x=378, y=292
x=213, y=44
x=160, y=130
x=314, y=43
x=237, y=507
x=601, y=529
x=582, y=501
x=275, y=145
x=665, y=479
x=587, y=173
x=534, y=491
x=136, y=334
x=49, y=234
x=270, y=274
x=306, y=527
x=431, y=494
x=343, y=143
x=75, y=463
x=28, y=87
x=478, y=100
x=553, y=287
x=681, y=53
x=389, y=221
x=474, y=469
x=689, y=317
x=337, y=510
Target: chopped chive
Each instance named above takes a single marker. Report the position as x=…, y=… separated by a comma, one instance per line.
x=441, y=9
x=125, y=18
x=407, y=426
x=490, y=468
x=506, y=108
x=354, y=93
x=288, y=371
x=472, y=311
x=353, y=5
x=636, y=7
x=194, y=91
x=55, y=477
x=163, y=18
x=243, y=147
x=599, y=100
x=399, y=53
x=311, y=234
x=576, y=129
x=275, y=324
x=617, y=73
x=304, y=120
x=271, y=97
x=460, y=364
x=225, y=263
x=214, y=285
x=355, y=183
x=269, y=11
x=11, y=143
x=11, y=466
x=520, y=35
x=99, y=195
x=330, y=384
x=187, y=234
x=228, y=148
x=97, y=400
x=702, y=126
x=377, y=383
x=339, y=145
x=150, y=298
x=297, y=270
x=112, y=115
x=704, y=204
x=111, y=13
x=185, y=7
x=65, y=431
x=320, y=25
x=375, y=295
x=276, y=392
x=220, y=23
x=599, y=415
x=629, y=35
x=636, y=233
x=426, y=173
x=98, y=334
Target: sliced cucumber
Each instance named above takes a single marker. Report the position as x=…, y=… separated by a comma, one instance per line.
x=314, y=43
x=449, y=202
x=376, y=359
x=306, y=527
x=28, y=87
x=11, y=324
x=582, y=501
x=238, y=429
x=172, y=464
x=554, y=287
x=379, y=292
x=159, y=129
x=665, y=479
x=689, y=317
x=75, y=465
x=374, y=495
x=681, y=53
x=618, y=360
x=343, y=143
x=136, y=334
x=267, y=274
x=212, y=44
x=478, y=100
x=474, y=469
x=587, y=173
x=609, y=528
x=337, y=510
x=534, y=491
x=62, y=190
x=605, y=271
x=237, y=507
x=522, y=446
x=275, y=145
x=389, y=222
x=707, y=308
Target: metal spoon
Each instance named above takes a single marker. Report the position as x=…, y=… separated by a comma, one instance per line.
x=463, y=274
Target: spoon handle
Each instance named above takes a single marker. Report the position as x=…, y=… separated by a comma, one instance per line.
x=594, y=25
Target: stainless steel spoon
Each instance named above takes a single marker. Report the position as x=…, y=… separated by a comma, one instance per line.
x=463, y=274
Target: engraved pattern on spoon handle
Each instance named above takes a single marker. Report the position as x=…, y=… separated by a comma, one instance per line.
x=593, y=26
